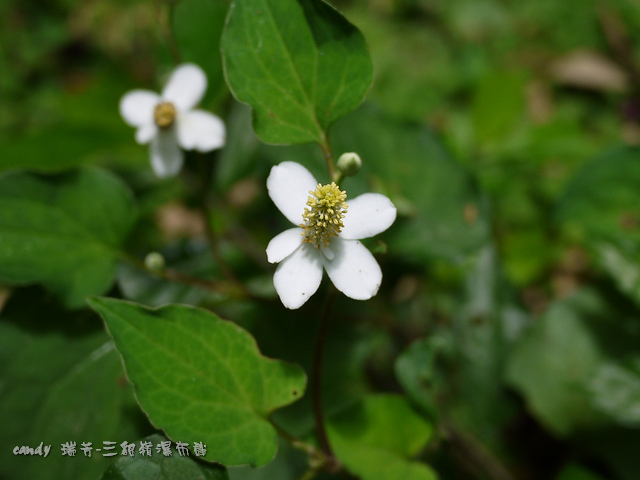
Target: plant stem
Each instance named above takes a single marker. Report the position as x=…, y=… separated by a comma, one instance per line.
x=316, y=375
x=204, y=180
x=475, y=455
x=166, y=14
x=214, y=243
x=328, y=158
x=225, y=288
x=310, y=474
x=295, y=442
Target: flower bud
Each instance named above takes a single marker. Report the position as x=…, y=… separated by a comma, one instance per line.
x=154, y=262
x=349, y=164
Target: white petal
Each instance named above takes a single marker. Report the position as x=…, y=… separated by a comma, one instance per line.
x=136, y=107
x=328, y=252
x=166, y=156
x=283, y=244
x=145, y=133
x=353, y=270
x=200, y=130
x=368, y=215
x=289, y=184
x=298, y=276
x=185, y=87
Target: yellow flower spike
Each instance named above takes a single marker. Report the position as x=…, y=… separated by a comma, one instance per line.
x=322, y=219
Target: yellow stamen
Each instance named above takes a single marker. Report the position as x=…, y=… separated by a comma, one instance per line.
x=164, y=114
x=323, y=217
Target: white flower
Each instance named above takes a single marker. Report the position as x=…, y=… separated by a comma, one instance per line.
x=169, y=121
x=327, y=236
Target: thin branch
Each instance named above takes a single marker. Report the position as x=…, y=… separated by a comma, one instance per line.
x=166, y=14
x=328, y=158
x=205, y=199
x=318, y=460
x=316, y=375
x=241, y=237
x=214, y=243
x=475, y=454
x=215, y=286
x=310, y=474
x=298, y=444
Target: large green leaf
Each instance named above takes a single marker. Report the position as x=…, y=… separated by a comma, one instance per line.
x=377, y=438
x=601, y=209
x=74, y=126
x=464, y=365
x=159, y=467
x=60, y=147
x=63, y=231
x=486, y=315
x=570, y=366
x=200, y=378
x=299, y=63
x=58, y=387
x=197, y=27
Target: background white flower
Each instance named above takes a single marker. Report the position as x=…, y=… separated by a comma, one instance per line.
x=350, y=265
x=169, y=121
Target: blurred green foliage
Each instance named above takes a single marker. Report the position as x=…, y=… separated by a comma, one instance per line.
x=506, y=134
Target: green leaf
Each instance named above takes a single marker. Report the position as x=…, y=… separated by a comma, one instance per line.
x=289, y=464
x=488, y=311
x=59, y=387
x=63, y=231
x=348, y=349
x=615, y=390
x=159, y=467
x=197, y=26
x=554, y=363
x=299, y=63
x=74, y=127
x=200, y=378
x=601, y=209
x=377, y=438
x=59, y=147
x=474, y=349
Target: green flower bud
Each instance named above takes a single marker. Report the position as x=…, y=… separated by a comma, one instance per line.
x=349, y=164
x=154, y=262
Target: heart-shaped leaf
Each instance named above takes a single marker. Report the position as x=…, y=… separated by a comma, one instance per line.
x=299, y=63
x=160, y=467
x=202, y=379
